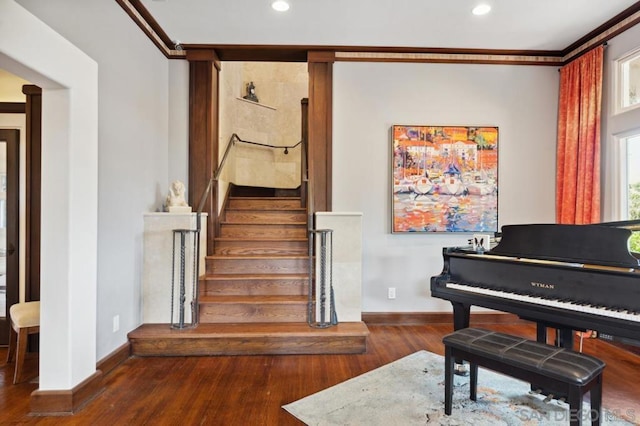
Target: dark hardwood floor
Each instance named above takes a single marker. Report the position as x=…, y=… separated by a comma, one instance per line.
x=250, y=390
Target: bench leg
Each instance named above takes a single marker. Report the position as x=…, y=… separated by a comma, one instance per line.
x=13, y=342
x=21, y=352
x=448, y=380
x=596, y=401
x=473, y=381
x=575, y=406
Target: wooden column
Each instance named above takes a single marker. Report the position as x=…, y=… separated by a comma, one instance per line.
x=33, y=111
x=320, y=128
x=204, y=69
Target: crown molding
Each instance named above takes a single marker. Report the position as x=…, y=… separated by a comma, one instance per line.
x=297, y=53
x=141, y=16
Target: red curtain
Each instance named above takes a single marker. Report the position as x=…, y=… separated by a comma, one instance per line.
x=578, y=151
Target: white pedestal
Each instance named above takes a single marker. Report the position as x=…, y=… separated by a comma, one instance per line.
x=158, y=261
x=179, y=209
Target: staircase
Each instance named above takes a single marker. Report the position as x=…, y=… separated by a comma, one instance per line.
x=254, y=294
x=259, y=272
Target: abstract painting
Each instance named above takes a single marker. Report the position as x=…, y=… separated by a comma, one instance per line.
x=445, y=179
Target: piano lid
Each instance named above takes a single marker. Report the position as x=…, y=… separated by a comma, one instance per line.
x=597, y=244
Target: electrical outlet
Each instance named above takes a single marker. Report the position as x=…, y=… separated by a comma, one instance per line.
x=116, y=323
x=391, y=294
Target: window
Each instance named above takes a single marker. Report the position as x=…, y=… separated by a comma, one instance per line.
x=630, y=183
x=628, y=78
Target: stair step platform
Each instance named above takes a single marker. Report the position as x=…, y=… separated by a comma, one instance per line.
x=248, y=339
x=268, y=264
x=260, y=230
x=268, y=300
x=265, y=216
x=244, y=246
x=253, y=309
x=254, y=285
x=272, y=203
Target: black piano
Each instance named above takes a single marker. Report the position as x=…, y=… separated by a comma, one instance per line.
x=566, y=277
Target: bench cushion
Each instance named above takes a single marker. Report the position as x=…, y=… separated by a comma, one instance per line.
x=559, y=363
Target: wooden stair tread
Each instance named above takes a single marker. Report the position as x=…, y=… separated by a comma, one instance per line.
x=212, y=330
x=239, y=197
x=262, y=300
x=288, y=224
x=274, y=208
x=256, y=256
x=260, y=240
x=262, y=277
x=266, y=209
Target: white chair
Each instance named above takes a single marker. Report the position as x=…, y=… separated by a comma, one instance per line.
x=25, y=320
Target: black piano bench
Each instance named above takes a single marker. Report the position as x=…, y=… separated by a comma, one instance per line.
x=558, y=370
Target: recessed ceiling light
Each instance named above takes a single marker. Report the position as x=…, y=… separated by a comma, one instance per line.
x=481, y=9
x=280, y=5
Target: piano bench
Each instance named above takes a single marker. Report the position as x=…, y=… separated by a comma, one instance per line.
x=558, y=370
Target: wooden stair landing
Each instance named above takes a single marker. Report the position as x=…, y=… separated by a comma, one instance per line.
x=248, y=339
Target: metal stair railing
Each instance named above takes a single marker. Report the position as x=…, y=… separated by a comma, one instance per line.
x=325, y=272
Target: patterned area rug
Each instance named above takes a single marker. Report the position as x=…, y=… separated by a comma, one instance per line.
x=410, y=391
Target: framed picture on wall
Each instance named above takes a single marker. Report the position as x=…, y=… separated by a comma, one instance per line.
x=444, y=179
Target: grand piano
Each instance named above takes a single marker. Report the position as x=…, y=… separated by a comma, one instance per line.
x=564, y=277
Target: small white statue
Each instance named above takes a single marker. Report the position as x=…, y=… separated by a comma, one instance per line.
x=175, y=200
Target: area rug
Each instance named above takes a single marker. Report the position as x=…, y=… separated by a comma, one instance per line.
x=410, y=391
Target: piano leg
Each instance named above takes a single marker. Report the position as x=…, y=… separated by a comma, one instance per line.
x=461, y=314
x=564, y=336
x=541, y=332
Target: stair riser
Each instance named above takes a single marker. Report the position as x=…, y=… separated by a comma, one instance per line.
x=263, y=231
x=258, y=216
x=240, y=247
x=257, y=266
x=255, y=287
x=250, y=312
x=263, y=204
x=249, y=346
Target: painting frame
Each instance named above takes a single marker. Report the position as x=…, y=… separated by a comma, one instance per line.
x=444, y=179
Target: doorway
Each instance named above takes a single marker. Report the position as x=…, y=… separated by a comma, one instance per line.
x=9, y=227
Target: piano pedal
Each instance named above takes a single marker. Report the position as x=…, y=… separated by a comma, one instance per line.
x=548, y=398
x=460, y=370
x=535, y=391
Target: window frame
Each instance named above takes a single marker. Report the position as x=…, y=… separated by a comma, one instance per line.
x=620, y=177
x=620, y=82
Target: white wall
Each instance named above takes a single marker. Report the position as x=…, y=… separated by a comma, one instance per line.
x=69, y=186
x=615, y=125
x=179, y=122
x=275, y=120
x=11, y=87
x=133, y=148
x=371, y=97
